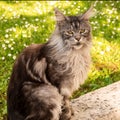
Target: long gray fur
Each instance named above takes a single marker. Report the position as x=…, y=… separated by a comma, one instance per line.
x=45, y=76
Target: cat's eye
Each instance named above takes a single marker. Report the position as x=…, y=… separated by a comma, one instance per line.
x=82, y=31
x=69, y=32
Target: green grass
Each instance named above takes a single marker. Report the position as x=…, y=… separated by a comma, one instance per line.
x=23, y=23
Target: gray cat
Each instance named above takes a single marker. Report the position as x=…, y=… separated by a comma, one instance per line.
x=45, y=76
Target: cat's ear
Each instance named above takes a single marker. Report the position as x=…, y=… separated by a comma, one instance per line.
x=59, y=15
x=89, y=13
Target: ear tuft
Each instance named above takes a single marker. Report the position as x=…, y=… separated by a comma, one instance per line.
x=59, y=15
x=89, y=13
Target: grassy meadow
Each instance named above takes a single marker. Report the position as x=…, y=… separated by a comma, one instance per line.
x=25, y=22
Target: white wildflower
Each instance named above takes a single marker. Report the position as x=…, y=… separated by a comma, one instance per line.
x=12, y=39
x=24, y=18
x=13, y=42
x=117, y=17
x=7, y=30
x=26, y=26
x=46, y=39
x=52, y=3
x=9, y=45
x=3, y=45
x=36, y=19
x=24, y=45
x=9, y=54
x=108, y=48
x=74, y=3
x=113, y=32
x=16, y=24
x=14, y=29
x=44, y=20
x=108, y=20
x=24, y=35
x=5, y=48
x=110, y=12
x=16, y=36
x=6, y=41
x=12, y=48
x=100, y=43
x=14, y=57
x=102, y=52
x=3, y=58
x=6, y=35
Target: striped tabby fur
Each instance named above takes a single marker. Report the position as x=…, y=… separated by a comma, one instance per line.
x=45, y=76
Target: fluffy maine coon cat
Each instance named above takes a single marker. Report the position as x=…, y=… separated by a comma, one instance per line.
x=44, y=76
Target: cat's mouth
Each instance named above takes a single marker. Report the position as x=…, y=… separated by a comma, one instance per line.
x=78, y=45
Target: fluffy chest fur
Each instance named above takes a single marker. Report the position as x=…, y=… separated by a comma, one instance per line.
x=80, y=67
x=67, y=66
x=71, y=67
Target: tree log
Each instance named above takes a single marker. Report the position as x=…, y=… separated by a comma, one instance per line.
x=101, y=104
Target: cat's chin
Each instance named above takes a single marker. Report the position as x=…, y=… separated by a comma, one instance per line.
x=77, y=47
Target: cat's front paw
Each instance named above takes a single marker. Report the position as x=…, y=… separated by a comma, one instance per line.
x=67, y=113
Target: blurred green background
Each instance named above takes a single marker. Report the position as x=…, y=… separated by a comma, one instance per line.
x=25, y=22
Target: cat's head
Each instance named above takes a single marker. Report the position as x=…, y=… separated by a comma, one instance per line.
x=74, y=30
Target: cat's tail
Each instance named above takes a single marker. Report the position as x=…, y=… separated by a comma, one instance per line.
x=15, y=116
x=45, y=103
x=12, y=112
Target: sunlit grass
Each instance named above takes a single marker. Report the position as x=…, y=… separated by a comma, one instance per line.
x=25, y=22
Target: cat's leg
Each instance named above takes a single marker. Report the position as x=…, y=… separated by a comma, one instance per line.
x=44, y=102
x=67, y=110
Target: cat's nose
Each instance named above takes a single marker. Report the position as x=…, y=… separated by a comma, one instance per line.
x=77, y=38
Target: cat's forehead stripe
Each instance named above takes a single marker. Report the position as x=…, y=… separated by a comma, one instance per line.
x=78, y=24
x=71, y=27
x=75, y=24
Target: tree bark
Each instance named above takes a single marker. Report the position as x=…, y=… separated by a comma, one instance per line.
x=101, y=104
